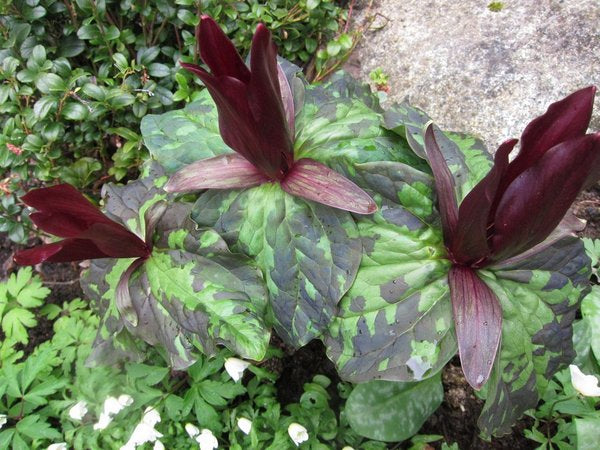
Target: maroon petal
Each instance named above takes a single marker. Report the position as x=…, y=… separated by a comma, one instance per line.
x=63, y=209
x=123, y=296
x=236, y=123
x=444, y=184
x=564, y=120
x=264, y=98
x=471, y=244
x=218, y=52
x=115, y=241
x=478, y=322
x=536, y=201
x=66, y=250
x=220, y=172
x=315, y=181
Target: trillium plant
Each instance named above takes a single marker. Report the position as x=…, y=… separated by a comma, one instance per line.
x=309, y=209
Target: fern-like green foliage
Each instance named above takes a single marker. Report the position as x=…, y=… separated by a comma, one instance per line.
x=21, y=293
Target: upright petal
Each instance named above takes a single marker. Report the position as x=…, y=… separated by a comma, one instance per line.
x=229, y=171
x=471, y=243
x=536, y=201
x=317, y=182
x=478, y=322
x=444, y=185
x=564, y=120
x=264, y=98
x=63, y=209
x=218, y=52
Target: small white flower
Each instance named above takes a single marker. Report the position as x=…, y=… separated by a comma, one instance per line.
x=235, y=367
x=297, y=433
x=192, y=430
x=584, y=384
x=78, y=411
x=347, y=447
x=58, y=446
x=207, y=440
x=144, y=431
x=112, y=406
x=158, y=446
x=244, y=424
x=3, y=420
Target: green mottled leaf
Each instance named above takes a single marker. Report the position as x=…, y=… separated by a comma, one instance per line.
x=539, y=299
x=590, y=309
x=128, y=204
x=192, y=293
x=340, y=130
x=308, y=252
x=180, y=137
x=392, y=411
x=395, y=322
x=588, y=432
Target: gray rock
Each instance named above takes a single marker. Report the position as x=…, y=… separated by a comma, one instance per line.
x=482, y=72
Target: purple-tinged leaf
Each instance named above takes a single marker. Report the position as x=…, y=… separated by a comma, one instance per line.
x=478, y=322
x=123, y=297
x=287, y=98
x=218, y=52
x=229, y=171
x=564, y=120
x=470, y=245
x=444, y=184
x=317, y=182
x=536, y=201
x=151, y=219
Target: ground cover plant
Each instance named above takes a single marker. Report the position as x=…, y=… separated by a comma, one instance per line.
x=76, y=77
x=311, y=210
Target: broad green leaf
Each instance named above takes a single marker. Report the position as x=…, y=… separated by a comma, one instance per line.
x=308, y=252
x=395, y=322
x=180, y=137
x=392, y=411
x=588, y=432
x=209, y=301
x=128, y=204
x=590, y=309
x=539, y=299
x=340, y=130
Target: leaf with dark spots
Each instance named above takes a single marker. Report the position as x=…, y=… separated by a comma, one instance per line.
x=408, y=122
x=181, y=137
x=129, y=203
x=395, y=322
x=309, y=254
x=539, y=297
x=478, y=322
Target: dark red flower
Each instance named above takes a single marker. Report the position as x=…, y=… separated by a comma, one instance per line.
x=257, y=121
x=65, y=212
x=514, y=208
